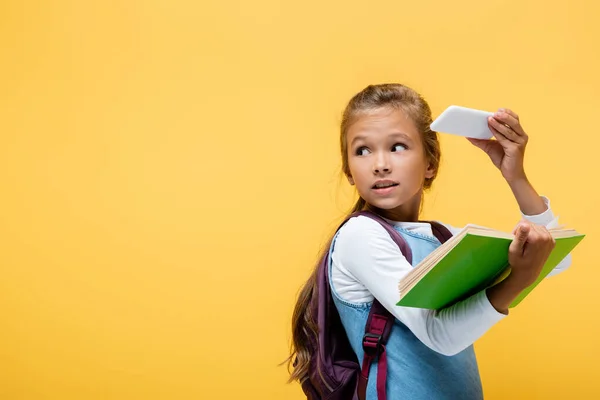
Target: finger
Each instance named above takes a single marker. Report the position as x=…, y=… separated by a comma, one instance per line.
x=510, y=112
x=533, y=239
x=503, y=140
x=481, y=143
x=545, y=235
x=521, y=222
x=542, y=231
x=521, y=236
x=506, y=131
x=511, y=121
x=536, y=233
x=541, y=235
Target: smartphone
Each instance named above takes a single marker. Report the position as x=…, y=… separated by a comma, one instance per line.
x=463, y=121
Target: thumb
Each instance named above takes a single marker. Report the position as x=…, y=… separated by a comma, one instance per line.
x=521, y=235
x=477, y=142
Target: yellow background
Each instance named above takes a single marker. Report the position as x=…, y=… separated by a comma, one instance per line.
x=169, y=171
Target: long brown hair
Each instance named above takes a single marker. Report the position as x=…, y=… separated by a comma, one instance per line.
x=394, y=96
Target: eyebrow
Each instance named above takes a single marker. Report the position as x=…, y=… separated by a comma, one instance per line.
x=401, y=135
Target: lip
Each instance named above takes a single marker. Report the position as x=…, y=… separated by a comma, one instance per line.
x=386, y=190
x=384, y=182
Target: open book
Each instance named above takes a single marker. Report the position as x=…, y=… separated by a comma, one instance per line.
x=472, y=260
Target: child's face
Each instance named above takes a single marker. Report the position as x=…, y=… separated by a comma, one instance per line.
x=385, y=148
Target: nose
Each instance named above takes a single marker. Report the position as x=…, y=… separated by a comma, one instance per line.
x=382, y=163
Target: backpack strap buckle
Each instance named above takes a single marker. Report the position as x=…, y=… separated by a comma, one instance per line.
x=372, y=344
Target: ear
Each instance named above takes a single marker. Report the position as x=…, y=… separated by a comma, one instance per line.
x=429, y=171
x=350, y=180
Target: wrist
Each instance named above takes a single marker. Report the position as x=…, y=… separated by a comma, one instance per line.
x=518, y=180
x=519, y=281
x=530, y=202
x=504, y=293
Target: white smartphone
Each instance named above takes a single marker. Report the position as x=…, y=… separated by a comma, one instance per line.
x=463, y=121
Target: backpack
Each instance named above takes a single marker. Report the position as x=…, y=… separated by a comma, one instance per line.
x=334, y=372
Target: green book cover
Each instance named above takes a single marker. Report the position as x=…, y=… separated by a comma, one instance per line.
x=475, y=263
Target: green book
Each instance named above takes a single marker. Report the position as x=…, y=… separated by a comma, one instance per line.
x=472, y=260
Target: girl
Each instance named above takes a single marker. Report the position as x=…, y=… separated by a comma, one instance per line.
x=390, y=154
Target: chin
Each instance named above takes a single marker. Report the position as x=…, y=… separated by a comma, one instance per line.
x=385, y=204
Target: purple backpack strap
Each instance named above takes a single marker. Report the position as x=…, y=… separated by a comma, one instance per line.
x=379, y=325
x=440, y=231
x=380, y=320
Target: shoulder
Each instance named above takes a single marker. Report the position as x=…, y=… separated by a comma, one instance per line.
x=361, y=227
x=363, y=234
x=365, y=251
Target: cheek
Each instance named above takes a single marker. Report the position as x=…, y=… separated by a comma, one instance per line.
x=359, y=171
x=411, y=166
x=353, y=165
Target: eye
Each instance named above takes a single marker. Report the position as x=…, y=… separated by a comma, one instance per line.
x=399, y=147
x=362, y=151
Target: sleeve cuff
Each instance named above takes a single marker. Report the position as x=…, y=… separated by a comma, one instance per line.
x=546, y=218
x=487, y=309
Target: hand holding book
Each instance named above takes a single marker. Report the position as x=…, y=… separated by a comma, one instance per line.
x=527, y=255
x=506, y=265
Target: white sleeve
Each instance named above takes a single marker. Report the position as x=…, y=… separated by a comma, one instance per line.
x=547, y=219
x=365, y=250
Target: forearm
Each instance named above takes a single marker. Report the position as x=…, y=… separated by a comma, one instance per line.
x=452, y=329
x=528, y=199
x=505, y=292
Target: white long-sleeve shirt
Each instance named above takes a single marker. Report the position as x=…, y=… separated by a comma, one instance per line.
x=367, y=264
